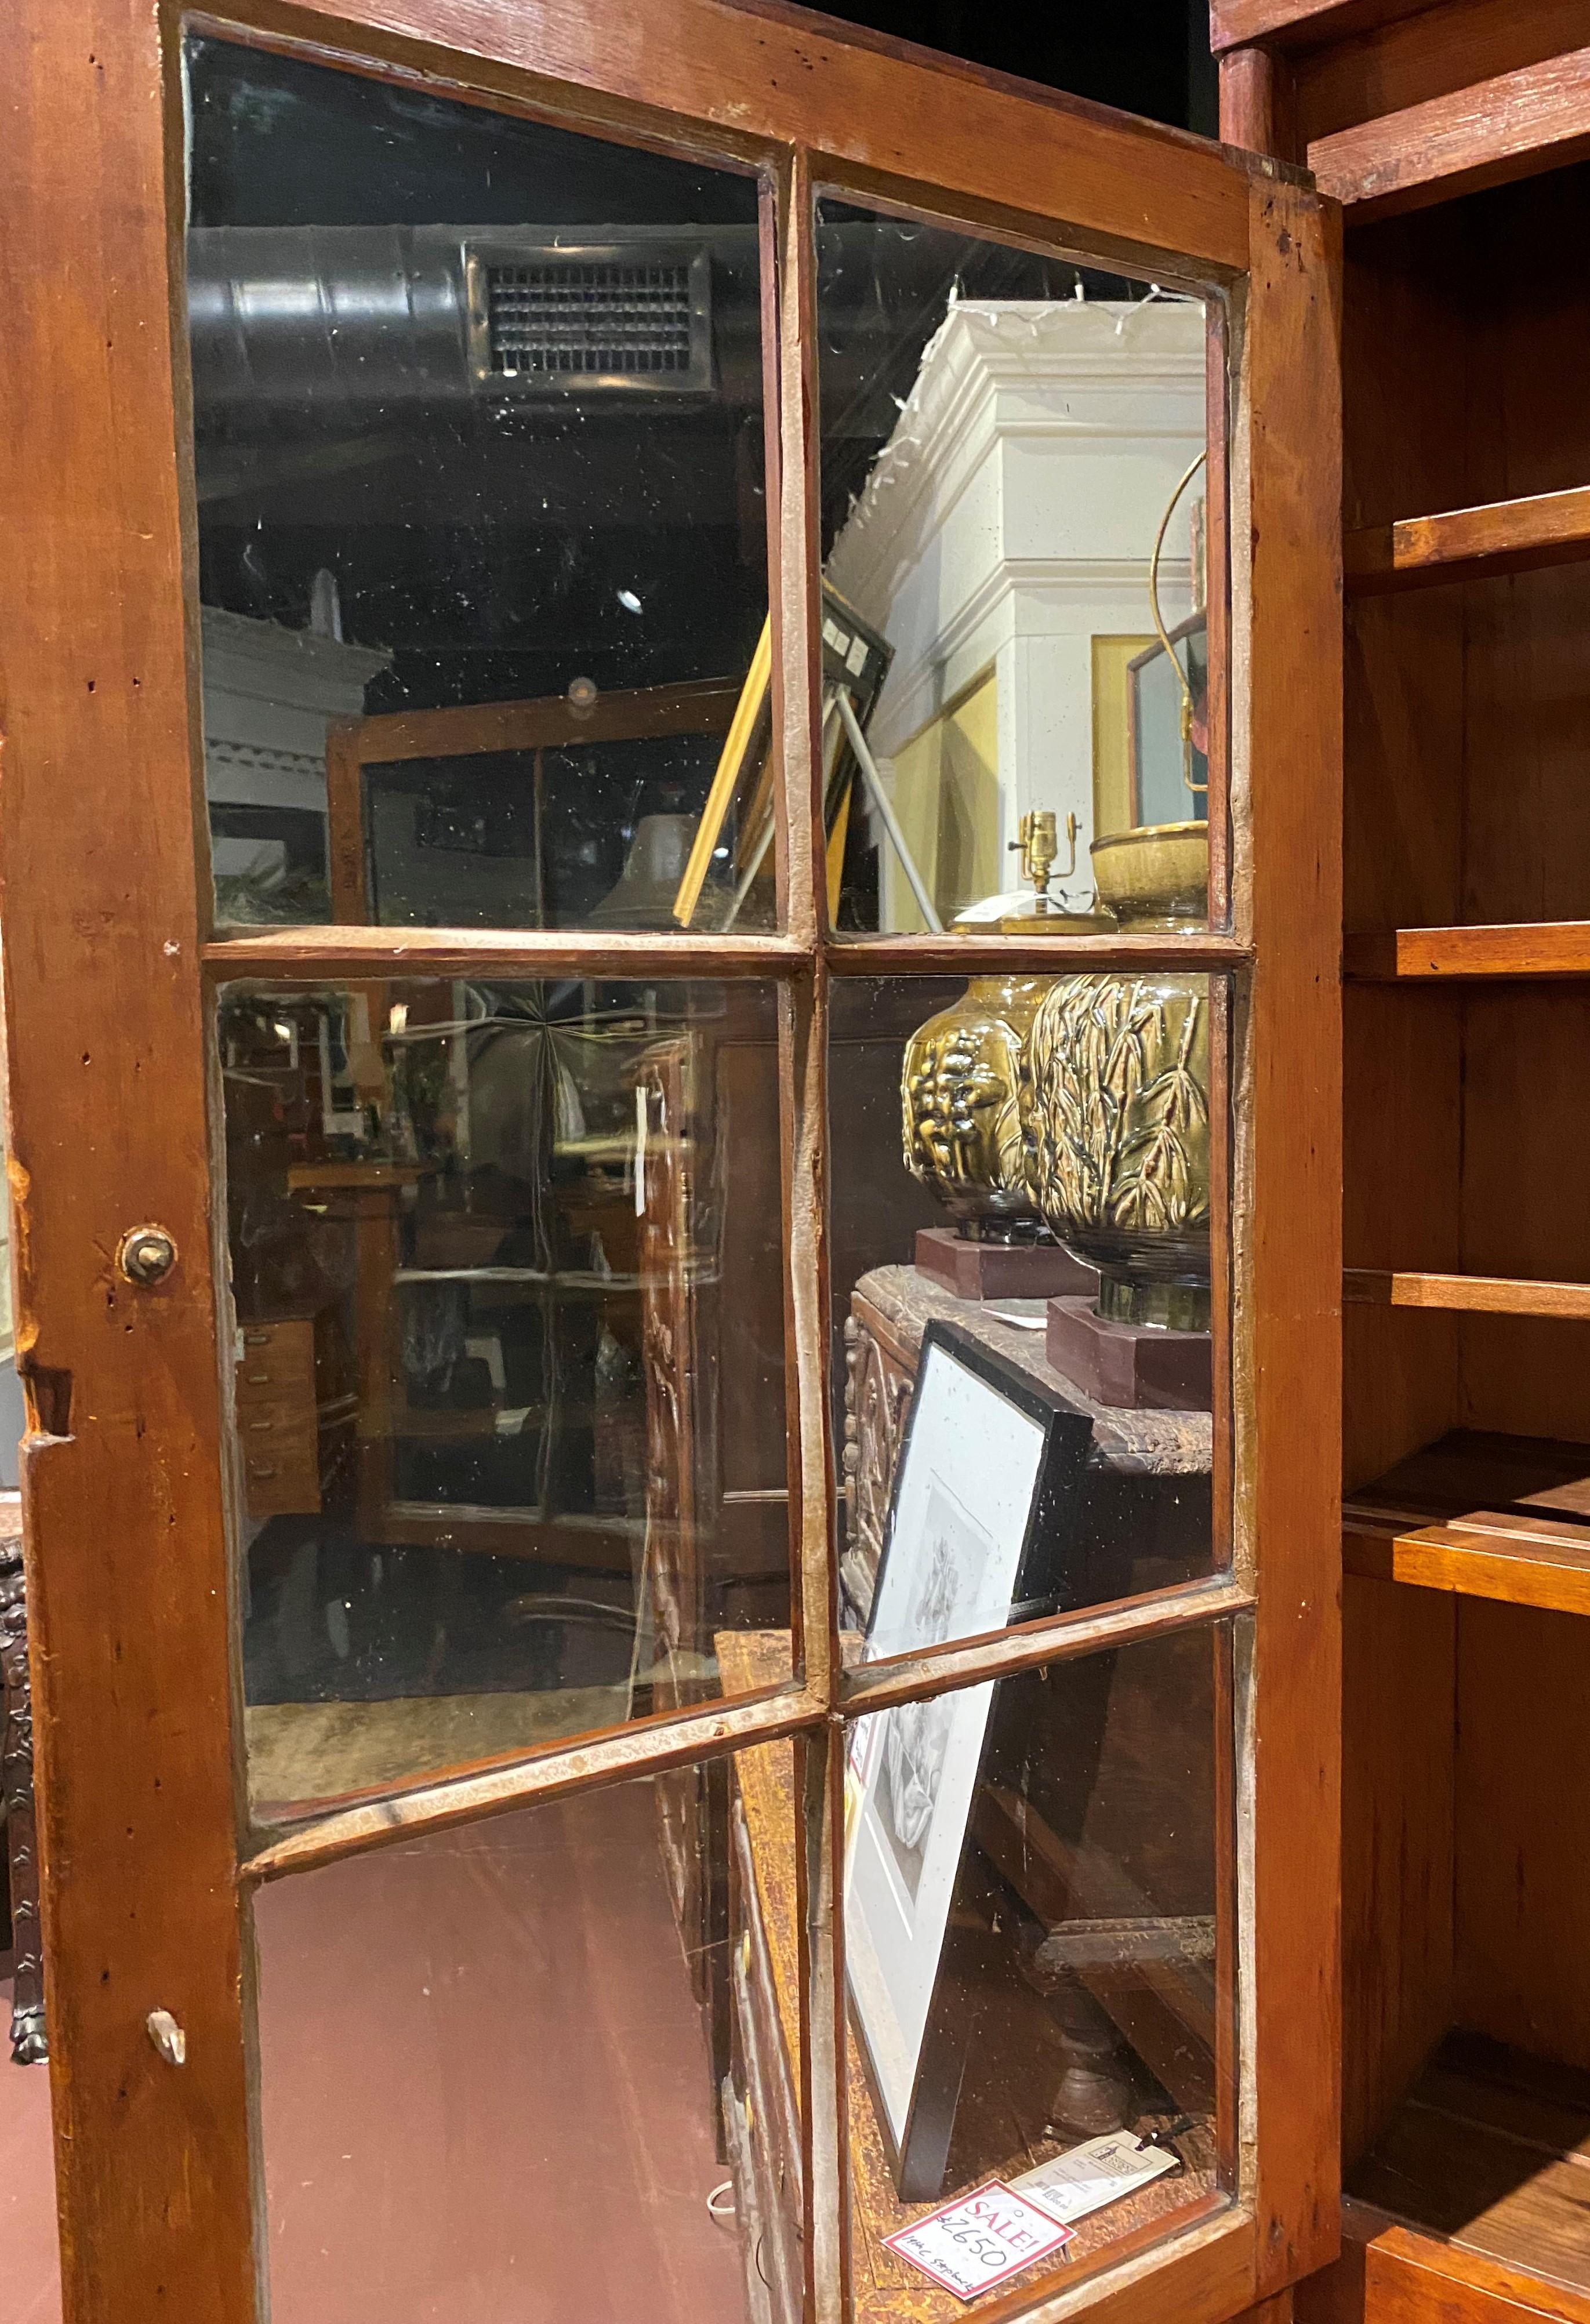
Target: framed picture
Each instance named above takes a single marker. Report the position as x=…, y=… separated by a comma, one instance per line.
x=856, y=661
x=1170, y=784
x=981, y=1518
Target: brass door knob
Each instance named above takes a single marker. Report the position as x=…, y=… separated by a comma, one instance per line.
x=146, y=1256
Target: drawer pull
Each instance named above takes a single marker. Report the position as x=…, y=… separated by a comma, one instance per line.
x=257, y=1380
x=262, y=1469
x=257, y=1339
x=261, y=1427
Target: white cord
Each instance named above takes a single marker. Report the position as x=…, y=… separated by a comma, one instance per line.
x=721, y=2211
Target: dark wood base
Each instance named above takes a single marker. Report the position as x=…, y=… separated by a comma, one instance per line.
x=1136, y=1364
x=1001, y=1270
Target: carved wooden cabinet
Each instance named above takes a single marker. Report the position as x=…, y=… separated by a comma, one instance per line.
x=28, y=2044
x=1145, y=1519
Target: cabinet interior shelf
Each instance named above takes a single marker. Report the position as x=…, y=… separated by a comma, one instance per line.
x=1483, y=1515
x=1488, y=2159
x=1472, y=1295
x=1526, y=948
x=1463, y=544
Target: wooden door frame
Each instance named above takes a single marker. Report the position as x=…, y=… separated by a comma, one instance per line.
x=109, y=965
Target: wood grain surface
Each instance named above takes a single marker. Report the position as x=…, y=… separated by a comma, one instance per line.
x=888, y=116
x=1502, y=537
x=1494, y=1294
x=129, y=1584
x=124, y=1490
x=1426, y=52
x=1299, y=22
x=1527, y=948
x=1287, y=1389
x=1492, y=1554
x=1534, y=118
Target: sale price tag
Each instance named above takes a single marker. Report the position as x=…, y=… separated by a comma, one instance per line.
x=979, y=2239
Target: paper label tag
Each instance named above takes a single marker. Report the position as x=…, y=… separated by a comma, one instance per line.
x=980, y=2239
x=1087, y=2178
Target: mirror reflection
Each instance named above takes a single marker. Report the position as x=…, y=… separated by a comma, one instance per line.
x=481, y=472
x=509, y=1385
x=1037, y=1900
x=1015, y=496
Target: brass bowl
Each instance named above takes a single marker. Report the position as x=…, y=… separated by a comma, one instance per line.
x=1159, y=871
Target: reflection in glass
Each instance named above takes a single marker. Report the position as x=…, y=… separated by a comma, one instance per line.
x=1014, y=497
x=1021, y=1259
x=497, y=2083
x=510, y=1378
x=1032, y=1894
x=482, y=507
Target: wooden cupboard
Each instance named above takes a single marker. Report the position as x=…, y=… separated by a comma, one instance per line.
x=1451, y=134
x=157, y=1850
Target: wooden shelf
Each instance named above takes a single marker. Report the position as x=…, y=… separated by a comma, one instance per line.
x=1419, y=553
x=1489, y=2155
x=1487, y=1555
x=1473, y=1294
x=1391, y=2273
x=1511, y=125
x=1529, y=948
x=1481, y=1516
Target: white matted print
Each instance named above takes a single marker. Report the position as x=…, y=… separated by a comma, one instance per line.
x=967, y=1487
x=962, y=1505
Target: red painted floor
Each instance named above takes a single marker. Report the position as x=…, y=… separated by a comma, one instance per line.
x=29, y=2266
x=484, y=2091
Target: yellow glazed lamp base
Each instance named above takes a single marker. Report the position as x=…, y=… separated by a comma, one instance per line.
x=1120, y=1073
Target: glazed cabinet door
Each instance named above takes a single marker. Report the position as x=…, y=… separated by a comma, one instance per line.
x=671, y=837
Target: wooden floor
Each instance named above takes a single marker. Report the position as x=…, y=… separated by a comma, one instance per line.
x=484, y=2091
x=1492, y=2150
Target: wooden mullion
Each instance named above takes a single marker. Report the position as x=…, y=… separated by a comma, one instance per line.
x=803, y=1140
x=923, y=125
x=825, y=2161
x=771, y=214
x=967, y=953
x=1129, y=1621
x=1224, y=1006
x=645, y=1748
x=323, y=954
x=1218, y=602
x=797, y=667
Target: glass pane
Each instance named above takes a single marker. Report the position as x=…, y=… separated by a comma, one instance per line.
x=1015, y=500
x=1023, y=1328
x=1037, y=1944
x=510, y=1400
x=504, y=2078
x=483, y=544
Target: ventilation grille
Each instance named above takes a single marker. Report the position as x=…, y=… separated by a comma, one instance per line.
x=560, y=322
